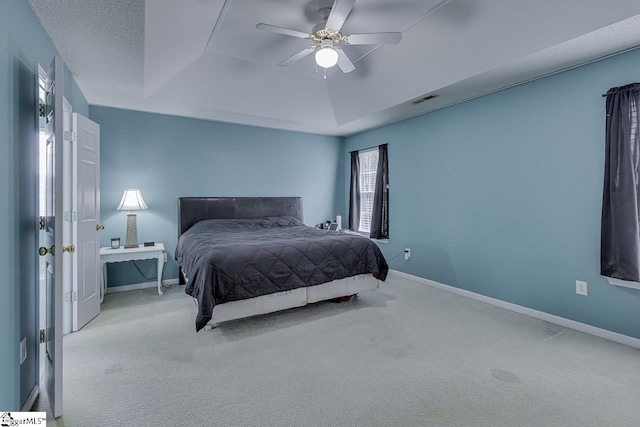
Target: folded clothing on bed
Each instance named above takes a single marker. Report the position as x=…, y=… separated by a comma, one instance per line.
x=234, y=259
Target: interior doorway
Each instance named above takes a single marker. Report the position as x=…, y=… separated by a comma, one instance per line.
x=69, y=194
x=42, y=173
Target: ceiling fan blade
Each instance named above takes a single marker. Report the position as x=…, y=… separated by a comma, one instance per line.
x=285, y=31
x=339, y=12
x=374, y=38
x=298, y=56
x=344, y=62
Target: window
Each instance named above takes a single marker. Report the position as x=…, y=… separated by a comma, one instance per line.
x=369, y=192
x=368, y=169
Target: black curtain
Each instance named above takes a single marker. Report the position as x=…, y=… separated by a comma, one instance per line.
x=620, y=232
x=354, y=194
x=380, y=215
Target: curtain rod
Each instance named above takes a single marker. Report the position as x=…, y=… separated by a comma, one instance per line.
x=620, y=89
x=366, y=149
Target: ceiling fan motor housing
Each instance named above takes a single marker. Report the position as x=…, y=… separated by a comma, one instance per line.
x=320, y=33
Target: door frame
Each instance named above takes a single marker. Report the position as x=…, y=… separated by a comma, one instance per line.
x=68, y=230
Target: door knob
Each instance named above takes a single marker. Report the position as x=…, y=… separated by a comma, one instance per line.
x=99, y=227
x=71, y=249
x=43, y=251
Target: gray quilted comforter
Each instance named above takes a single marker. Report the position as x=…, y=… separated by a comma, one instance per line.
x=233, y=259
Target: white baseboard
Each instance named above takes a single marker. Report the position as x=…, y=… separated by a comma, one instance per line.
x=561, y=321
x=31, y=399
x=135, y=286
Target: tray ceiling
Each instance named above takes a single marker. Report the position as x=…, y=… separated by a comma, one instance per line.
x=206, y=59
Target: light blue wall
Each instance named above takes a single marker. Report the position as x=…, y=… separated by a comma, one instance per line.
x=502, y=195
x=73, y=94
x=167, y=157
x=23, y=44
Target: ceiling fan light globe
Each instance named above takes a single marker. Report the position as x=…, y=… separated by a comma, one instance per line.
x=326, y=57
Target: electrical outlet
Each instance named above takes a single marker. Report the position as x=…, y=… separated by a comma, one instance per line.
x=23, y=350
x=407, y=254
x=581, y=288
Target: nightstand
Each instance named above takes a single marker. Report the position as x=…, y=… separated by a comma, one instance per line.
x=108, y=255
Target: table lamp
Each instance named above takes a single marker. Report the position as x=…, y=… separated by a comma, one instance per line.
x=131, y=201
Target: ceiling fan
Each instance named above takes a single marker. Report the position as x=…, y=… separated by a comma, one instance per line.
x=328, y=38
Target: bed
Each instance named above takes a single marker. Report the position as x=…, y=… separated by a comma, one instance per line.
x=244, y=256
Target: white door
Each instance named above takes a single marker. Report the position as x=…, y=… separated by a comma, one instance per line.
x=86, y=286
x=53, y=243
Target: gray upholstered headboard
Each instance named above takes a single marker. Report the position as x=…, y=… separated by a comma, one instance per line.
x=194, y=209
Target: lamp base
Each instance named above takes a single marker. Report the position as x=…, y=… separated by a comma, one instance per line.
x=132, y=232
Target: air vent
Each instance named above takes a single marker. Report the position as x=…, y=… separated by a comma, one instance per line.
x=424, y=98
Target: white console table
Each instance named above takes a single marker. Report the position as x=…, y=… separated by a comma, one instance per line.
x=121, y=254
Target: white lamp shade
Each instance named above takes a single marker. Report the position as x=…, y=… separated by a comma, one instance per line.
x=326, y=57
x=132, y=201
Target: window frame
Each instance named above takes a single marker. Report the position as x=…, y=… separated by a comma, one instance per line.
x=371, y=182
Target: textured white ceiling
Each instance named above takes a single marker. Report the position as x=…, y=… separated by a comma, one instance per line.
x=206, y=59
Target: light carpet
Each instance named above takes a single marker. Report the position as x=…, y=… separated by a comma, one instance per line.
x=404, y=355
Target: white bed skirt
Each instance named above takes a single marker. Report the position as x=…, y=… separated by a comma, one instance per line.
x=295, y=298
